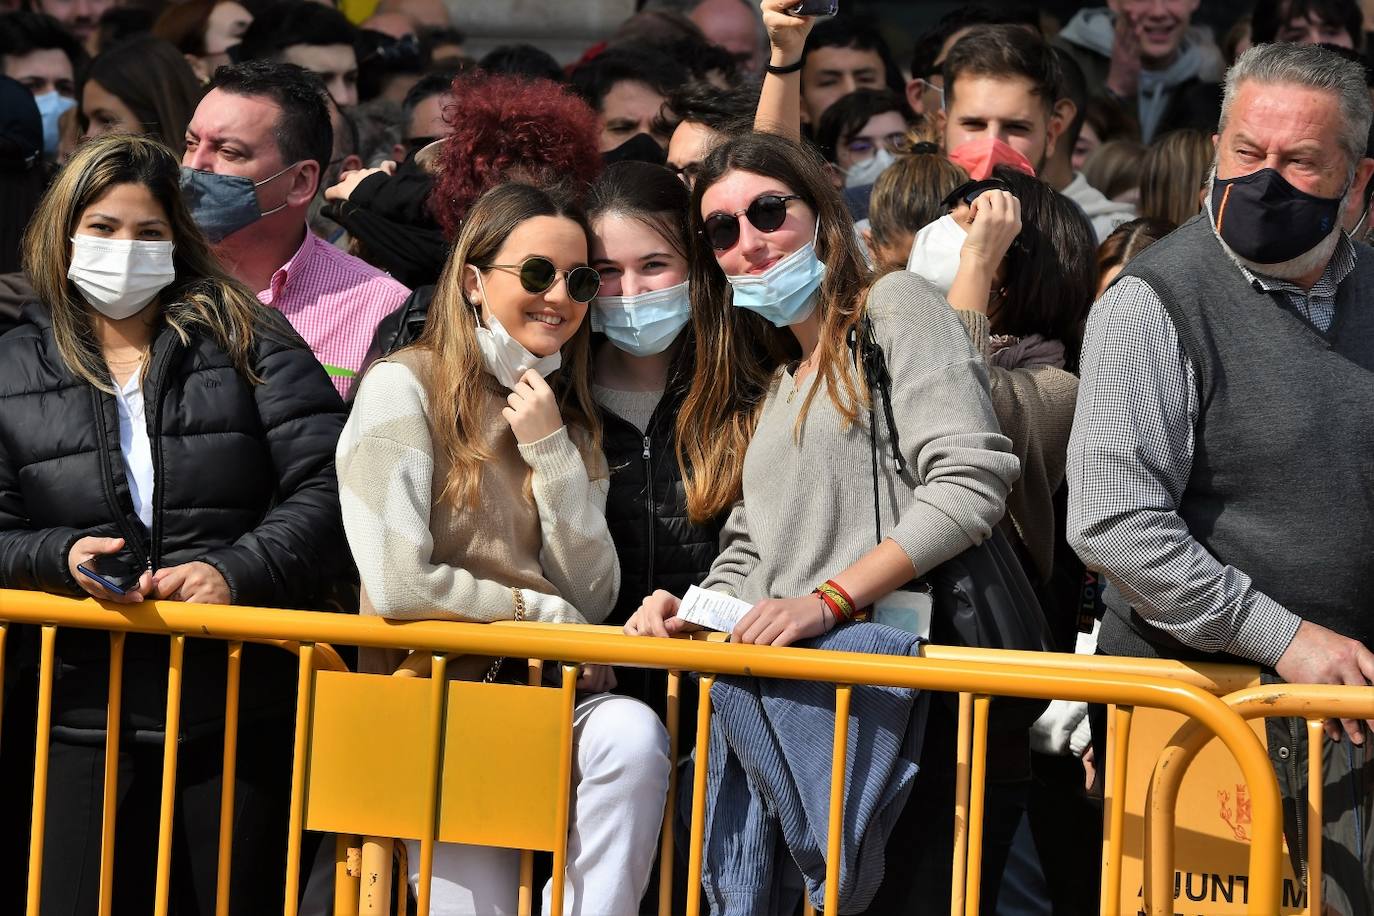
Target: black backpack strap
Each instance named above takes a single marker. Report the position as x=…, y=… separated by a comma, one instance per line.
x=869, y=358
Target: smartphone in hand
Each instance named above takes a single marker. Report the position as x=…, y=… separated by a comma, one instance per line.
x=815, y=8
x=111, y=571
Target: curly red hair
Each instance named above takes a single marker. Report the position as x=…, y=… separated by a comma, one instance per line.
x=510, y=127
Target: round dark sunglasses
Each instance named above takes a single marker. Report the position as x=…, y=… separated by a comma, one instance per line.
x=767, y=213
x=538, y=274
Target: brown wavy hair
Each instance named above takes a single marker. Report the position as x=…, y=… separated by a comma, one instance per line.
x=456, y=377
x=739, y=352
x=202, y=298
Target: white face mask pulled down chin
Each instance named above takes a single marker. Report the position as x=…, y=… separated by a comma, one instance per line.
x=504, y=356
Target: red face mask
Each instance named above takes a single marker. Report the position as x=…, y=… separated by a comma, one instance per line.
x=978, y=157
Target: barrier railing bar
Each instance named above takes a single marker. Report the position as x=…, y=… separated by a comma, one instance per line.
x=175, y=659
x=40, y=767
x=843, y=693
x=4, y=632
x=438, y=673
x=525, y=903
x=977, y=803
x=1042, y=679
x=1316, y=734
x=305, y=709
x=110, y=791
x=699, y=799
x=563, y=812
x=347, y=874
x=1215, y=678
x=233, y=666
x=673, y=716
x=1264, y=701
x=962, y=750
x=377, y=857
x=1119, y=752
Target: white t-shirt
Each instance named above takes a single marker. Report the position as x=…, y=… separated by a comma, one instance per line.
x=137, y=449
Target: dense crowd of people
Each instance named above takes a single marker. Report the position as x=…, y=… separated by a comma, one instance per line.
x=309, y=312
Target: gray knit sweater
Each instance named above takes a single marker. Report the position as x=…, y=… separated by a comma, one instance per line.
x=807, y=511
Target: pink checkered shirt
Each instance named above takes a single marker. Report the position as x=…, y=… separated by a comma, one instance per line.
x=335, y=302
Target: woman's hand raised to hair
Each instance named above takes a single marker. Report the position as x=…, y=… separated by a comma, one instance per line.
x=992, y=223
x=783, y=621
x=996, y=217
x=532, y=409
x=786, y=33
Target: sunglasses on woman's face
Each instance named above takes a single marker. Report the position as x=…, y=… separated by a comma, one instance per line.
x=767, y=214
x=538, y=274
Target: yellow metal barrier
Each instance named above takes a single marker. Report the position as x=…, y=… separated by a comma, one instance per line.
x=1314, y=703
x=980, y=674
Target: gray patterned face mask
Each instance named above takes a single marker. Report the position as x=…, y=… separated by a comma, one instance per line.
x=223, y=204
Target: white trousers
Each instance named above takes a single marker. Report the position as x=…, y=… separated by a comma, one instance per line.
x=620, y=781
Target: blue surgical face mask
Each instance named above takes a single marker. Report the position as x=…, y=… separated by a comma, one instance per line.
x=223, y=204
x=645, y=324
x=51, y=107
x=784, y=293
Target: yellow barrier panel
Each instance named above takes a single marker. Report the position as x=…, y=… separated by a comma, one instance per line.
x=987, y=673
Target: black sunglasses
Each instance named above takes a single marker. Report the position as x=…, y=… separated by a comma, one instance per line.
x=767, y=213
x=538, y=274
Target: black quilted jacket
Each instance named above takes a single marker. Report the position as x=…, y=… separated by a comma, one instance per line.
x=244, y=474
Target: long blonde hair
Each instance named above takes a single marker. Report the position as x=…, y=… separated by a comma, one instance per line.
x=739, y=352
x=202, y=297
x=456, y=377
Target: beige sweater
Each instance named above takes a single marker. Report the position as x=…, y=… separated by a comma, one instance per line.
x=420, y=559
x=1035, y=411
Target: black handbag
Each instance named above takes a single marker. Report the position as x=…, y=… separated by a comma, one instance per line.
x=980, y=598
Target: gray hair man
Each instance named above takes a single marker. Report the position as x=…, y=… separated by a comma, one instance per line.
x=1220, y=467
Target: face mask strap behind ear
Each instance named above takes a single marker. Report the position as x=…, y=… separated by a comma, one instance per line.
x=258, y=184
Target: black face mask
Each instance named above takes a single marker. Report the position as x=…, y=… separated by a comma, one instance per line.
x=1266, y=220
x=639, y=148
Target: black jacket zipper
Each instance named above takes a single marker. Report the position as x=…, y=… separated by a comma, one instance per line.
x=649, y=513
x=158, y=379
x=134, y=540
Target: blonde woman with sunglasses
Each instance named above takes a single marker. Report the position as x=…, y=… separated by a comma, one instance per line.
x=473, y=489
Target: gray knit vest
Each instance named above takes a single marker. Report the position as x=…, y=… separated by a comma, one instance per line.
x=1282, y=485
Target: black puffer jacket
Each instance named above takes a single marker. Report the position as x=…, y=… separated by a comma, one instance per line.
x=244, y=481
x=646, y=511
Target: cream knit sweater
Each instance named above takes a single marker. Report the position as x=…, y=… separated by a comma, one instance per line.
x=419, y=559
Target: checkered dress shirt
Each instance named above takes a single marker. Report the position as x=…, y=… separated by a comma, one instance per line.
x=334, y=301
x=1130, y=457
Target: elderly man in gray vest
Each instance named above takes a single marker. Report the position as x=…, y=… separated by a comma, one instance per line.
x=1221, y=467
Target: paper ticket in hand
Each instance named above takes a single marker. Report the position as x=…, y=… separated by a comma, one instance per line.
x=712, y=610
